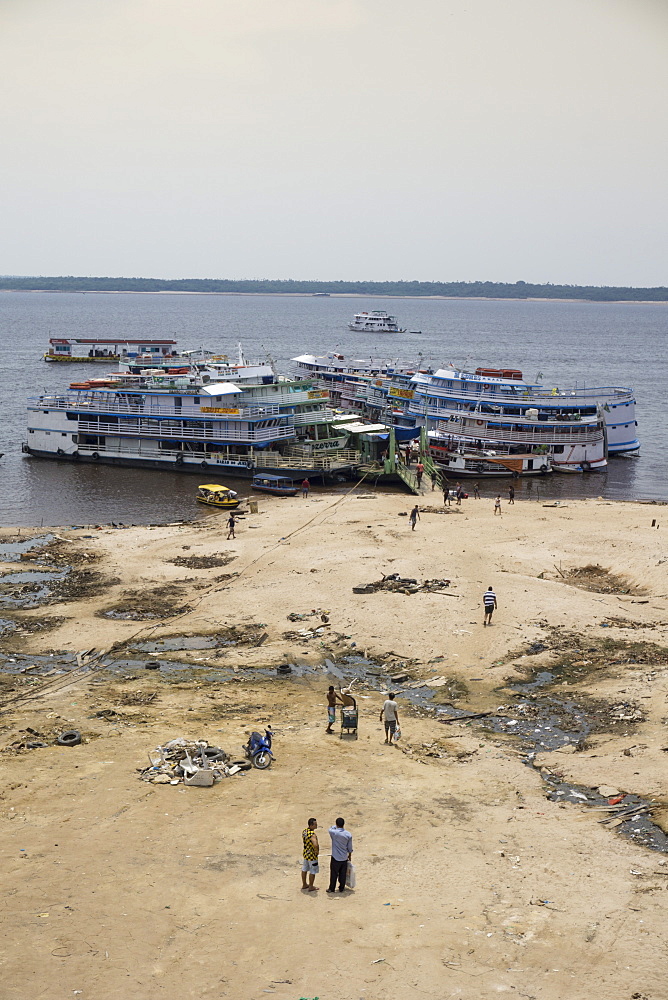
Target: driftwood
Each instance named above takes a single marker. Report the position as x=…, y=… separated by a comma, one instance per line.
x=463, y=718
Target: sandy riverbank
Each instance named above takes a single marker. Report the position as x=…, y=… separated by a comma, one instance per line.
x=471, y=882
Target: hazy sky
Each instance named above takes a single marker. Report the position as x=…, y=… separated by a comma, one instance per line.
x=377, y=139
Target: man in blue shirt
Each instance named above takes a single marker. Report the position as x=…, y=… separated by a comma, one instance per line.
x=342, y=849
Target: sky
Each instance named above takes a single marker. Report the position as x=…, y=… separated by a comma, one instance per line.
x=434, y=140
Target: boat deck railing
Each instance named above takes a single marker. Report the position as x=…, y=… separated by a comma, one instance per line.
x=343, y=459
x=522, y=397
x=541, y=434
x=127, y=429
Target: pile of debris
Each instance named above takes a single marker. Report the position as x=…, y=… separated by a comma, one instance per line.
x=402, y=585
x=190, y=762
x=294, y=616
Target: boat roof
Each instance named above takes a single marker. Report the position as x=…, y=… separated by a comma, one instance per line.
x=215, y=488
x=273, y=479
x=360, y=428
x=221, y=389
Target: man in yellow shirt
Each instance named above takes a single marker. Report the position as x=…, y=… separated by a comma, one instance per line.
x=311, y=851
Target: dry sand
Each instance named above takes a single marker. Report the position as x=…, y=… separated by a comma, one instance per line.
x=471, y=882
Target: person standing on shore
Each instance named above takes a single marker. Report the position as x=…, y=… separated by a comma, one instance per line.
x=497, y=504
x=489, y=604
x=476, y=491
x=311, y=851
x=231, y=525
x=447, y=499
x=342, y=850
x=460, y=493
x=389, y=714
x=511, y=495
x=414, y=516
x=331, y=707
x=306, y=486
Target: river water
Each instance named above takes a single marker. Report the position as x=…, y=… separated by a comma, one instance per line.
x=571, y=343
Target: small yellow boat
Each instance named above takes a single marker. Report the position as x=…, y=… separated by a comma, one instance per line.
x=218, y=496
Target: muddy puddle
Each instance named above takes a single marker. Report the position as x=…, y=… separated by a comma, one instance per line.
x=6, y=625
x=29, y=588
x=544, y=722
x=12, y=551
x=37, y=666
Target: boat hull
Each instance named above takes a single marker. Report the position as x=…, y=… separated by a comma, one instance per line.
x=233, y=471
x=221, y=504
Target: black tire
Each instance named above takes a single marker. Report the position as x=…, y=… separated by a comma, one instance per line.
x=95, y=456
x=262, y=760
x=70, y=738
x=213, y=753
x=179, y=459
x=543, y=468
x=244, y=765
x=60, y=452
x=205, y=465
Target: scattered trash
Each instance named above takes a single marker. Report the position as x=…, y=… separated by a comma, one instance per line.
x=191, y=762
x=402, y=585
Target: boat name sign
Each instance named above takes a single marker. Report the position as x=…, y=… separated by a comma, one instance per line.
x=401, y=393
x=219, y=409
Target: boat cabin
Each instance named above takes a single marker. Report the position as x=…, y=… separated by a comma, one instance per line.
x=281, y=486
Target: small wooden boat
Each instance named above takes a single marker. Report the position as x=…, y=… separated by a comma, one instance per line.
x=218, y=496
x=280, y=486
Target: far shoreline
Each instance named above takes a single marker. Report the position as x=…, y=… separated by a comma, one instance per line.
x=336, y=295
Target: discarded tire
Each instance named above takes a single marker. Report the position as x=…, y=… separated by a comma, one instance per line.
x=153, y=664
x=243, y=765
x=284, y=668
x=70, y=738
x=213, y=753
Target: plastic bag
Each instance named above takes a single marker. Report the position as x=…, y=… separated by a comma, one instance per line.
x=350, y=875
x=396, y=736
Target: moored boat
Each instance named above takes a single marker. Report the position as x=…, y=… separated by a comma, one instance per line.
x=280, y=486
x=218, y=496
x=85, y=349
x=376, y=321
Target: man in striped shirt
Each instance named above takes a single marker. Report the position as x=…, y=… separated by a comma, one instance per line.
x=489, y=602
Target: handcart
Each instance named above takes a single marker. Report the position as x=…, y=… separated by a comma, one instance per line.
x=349, y=718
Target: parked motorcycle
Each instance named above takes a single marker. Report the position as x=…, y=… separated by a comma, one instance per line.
x=258, y=749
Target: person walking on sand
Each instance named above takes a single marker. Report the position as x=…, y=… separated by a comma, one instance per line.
x=414, y=516
x=476, y=491
x=489, y=603
x=342, y=851
x=389, y=714
x=497, y=504
x=332, y=697
x=310, y=865
x=447, y=499
x=511, y=495
x=306, y=486
x=434, y=480
x=231, y=525
x=460, y=493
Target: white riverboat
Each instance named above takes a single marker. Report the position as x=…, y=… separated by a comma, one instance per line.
x=376, y=321
x=485, y=464
x=190, y=422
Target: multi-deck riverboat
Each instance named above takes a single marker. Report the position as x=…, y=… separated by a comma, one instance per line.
x=376, y=321
x=260, y=421
x=85, y=349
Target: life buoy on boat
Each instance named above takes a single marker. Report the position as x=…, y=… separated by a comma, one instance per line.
x=543, y=468
x=480, y=423
x=95, y=456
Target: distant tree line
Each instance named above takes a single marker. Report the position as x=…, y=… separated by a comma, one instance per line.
x=455, y=289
